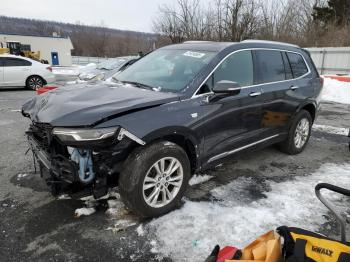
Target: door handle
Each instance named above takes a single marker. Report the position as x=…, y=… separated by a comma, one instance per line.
x=294, y=87
x=254, y=94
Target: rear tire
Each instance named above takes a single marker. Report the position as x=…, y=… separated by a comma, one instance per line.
x=299, y=134
x=34, y=82
x=154, y=179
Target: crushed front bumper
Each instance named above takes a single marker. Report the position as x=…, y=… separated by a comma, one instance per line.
x=61, y=172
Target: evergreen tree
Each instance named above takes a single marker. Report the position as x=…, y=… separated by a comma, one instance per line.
x=336, y=12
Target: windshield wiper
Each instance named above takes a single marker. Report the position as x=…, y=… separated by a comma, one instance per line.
x=137, y=84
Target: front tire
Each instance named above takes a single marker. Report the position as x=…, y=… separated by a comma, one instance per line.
x=299, y=134
x=154, y=179
x=34, y=82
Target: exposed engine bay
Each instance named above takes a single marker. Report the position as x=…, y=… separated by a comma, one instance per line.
x=83, y=169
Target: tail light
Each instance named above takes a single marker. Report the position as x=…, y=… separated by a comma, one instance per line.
x=49, y=68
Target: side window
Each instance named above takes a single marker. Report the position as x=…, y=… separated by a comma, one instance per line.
x=237, y=68
x=270, y=67
x=287, y=68
x=17, y=62
x=2, y=61
x=297, y=64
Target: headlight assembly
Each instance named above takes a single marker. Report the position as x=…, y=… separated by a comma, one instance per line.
x=80, y=135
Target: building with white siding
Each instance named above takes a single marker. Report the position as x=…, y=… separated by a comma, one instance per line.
x=56, y=50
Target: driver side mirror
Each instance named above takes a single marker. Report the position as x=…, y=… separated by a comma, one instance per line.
x=225, y=87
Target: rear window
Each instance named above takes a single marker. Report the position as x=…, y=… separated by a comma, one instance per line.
x=297, y=64
x=17, y=62
x=270, y=66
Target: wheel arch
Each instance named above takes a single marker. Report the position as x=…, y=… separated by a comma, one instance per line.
x=184, y=138
x=311, y=108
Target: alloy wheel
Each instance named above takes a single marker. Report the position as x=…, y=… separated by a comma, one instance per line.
x=163, y=182
x=301, y=133
x=35, y=82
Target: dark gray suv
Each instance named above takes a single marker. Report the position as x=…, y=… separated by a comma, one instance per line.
x=180, y=109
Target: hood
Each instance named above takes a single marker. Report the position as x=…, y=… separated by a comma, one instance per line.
x=88, y=105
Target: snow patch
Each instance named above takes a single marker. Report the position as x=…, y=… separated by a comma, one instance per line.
x=199, y=179
x=331, y=129
x=122, y=225
x=85, y=211
x=116, y=209
x=336, y=91
x=19, y=176
x=63, y=197
x=190, y=233
x=140, y=231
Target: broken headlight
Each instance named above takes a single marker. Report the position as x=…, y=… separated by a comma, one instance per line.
x=80, y=135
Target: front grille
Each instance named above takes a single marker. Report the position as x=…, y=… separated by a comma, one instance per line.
x=41, y=132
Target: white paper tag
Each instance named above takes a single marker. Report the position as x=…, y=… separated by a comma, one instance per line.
x=194, y=54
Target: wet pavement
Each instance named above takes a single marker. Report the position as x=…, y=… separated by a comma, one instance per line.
x=34, y=226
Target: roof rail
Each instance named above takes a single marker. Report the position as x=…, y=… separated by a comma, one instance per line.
x=268, y=42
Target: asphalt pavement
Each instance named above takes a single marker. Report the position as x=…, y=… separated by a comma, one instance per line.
x=35, y=226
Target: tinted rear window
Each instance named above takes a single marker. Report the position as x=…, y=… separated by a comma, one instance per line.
x=17, y=62
x=297, y=64
x=270, y=67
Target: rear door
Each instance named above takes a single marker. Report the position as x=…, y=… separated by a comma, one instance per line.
x=274, y=76
x=302, y=86
x=2, y=59
x=16, y=71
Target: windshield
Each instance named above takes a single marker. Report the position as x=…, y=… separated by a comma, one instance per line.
x=169, y=70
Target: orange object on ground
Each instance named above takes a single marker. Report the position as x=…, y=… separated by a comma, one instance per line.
x=340, y=78
x=266, y=248
x=45, y=89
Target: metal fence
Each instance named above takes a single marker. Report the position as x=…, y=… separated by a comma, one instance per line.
x=331, y=60
x=84, y=60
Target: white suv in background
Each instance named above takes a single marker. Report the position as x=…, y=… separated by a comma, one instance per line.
x=21, y=71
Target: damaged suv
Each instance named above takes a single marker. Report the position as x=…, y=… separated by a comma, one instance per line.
x=180, y=109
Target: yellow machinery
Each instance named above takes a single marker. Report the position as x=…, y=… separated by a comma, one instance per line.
x=16, y=48
x=32, y=55
x=4, y=49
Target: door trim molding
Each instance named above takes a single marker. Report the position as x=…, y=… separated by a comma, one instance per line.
x=241, y=148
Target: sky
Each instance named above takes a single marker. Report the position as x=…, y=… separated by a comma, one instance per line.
x=136, y=15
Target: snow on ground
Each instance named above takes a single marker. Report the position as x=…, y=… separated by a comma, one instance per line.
x=331, y=129
x=336, y=91
x=190, y=233
x=198, y=179
x=84, y=211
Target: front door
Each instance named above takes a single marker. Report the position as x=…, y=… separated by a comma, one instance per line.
x=54, y=58
x=231, y=122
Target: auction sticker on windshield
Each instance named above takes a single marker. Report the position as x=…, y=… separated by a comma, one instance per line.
x=194, y=54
